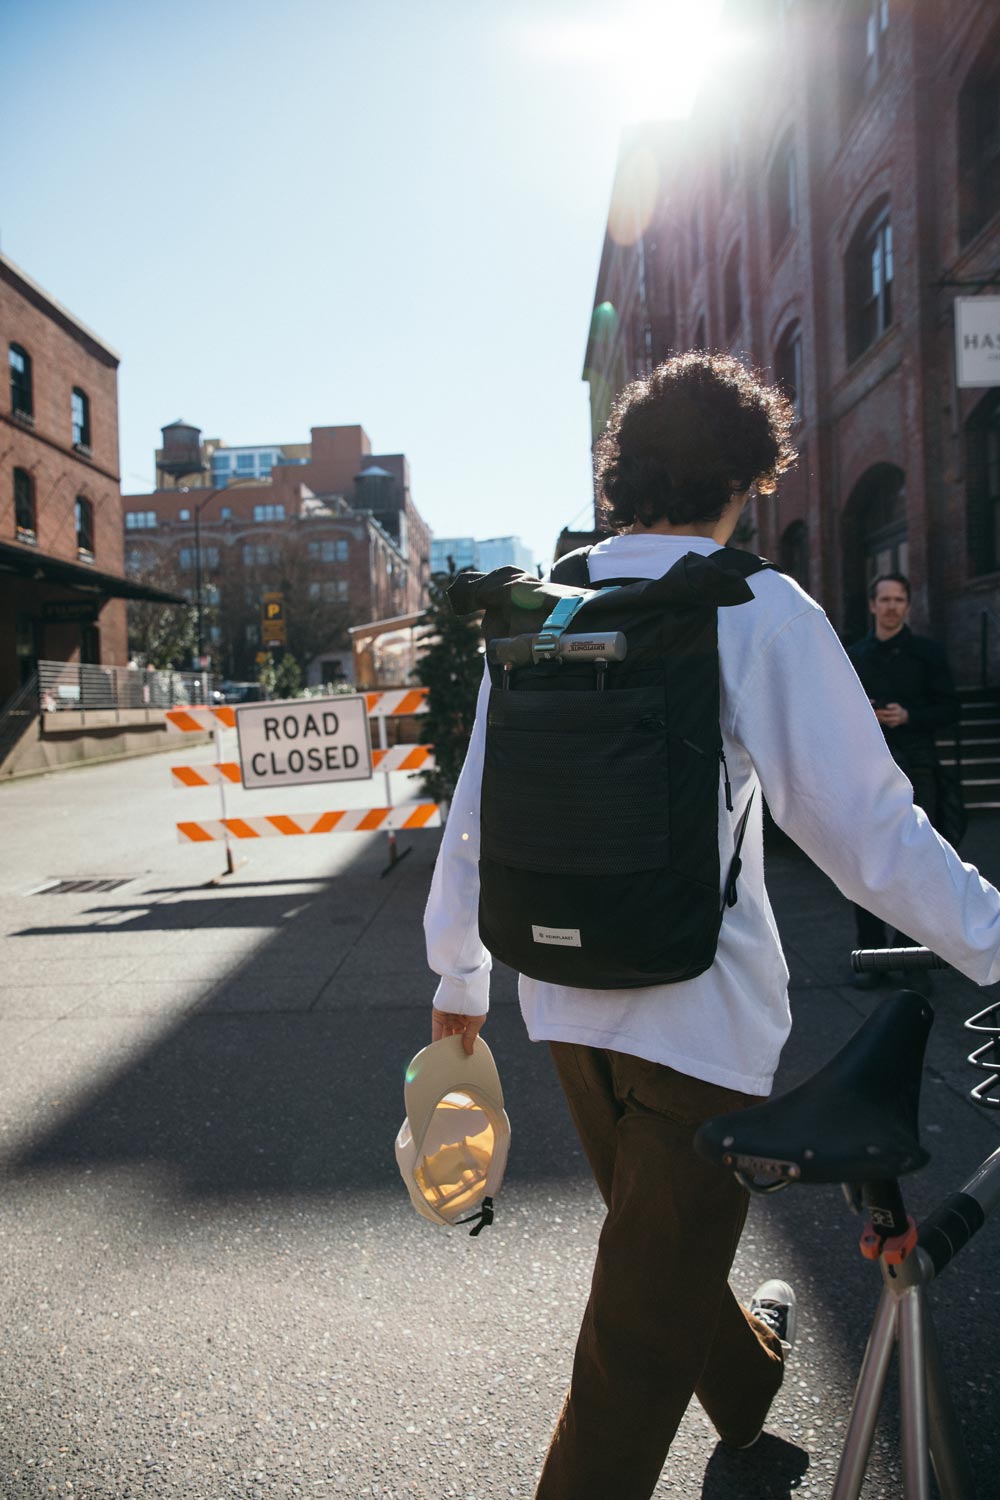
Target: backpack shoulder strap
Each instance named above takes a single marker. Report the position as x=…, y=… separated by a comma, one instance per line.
x=744, y=564
x=573, y=570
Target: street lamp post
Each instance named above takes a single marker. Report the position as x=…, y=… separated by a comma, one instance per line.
x=197, y=567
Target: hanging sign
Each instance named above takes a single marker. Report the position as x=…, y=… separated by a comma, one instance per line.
x=977, y=341
x=303, y=740
x=272, y=620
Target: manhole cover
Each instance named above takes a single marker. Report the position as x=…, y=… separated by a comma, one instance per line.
x=80, y=886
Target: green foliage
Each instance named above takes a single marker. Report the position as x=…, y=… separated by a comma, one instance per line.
x=164, y=635
x=281, y=678
x=451, y=668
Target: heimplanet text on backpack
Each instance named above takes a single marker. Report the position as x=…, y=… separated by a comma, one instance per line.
x=599, y=853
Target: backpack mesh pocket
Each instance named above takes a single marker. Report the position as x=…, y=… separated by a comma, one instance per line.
x=577, y=781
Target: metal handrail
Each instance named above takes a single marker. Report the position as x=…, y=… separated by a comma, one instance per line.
x=20, y=710
x=65, y=686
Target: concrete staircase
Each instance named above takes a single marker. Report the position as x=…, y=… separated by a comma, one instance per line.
x=976, y=746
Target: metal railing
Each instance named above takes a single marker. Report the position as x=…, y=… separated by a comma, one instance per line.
x=74, y=687
x=20, y=710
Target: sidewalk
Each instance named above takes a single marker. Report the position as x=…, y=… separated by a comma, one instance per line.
x=215, y=1286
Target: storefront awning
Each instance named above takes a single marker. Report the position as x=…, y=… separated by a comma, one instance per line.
x=71, y=575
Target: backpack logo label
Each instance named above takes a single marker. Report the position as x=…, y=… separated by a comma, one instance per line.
x=561, y=937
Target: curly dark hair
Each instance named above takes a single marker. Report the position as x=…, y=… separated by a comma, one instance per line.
x=680, y=443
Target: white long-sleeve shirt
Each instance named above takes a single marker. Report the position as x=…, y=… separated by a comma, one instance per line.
x=795, y=721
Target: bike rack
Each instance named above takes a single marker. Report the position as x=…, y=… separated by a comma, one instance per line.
x=987, y=1056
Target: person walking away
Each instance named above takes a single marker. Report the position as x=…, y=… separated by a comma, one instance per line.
x=910, y=687
x=642, y=1068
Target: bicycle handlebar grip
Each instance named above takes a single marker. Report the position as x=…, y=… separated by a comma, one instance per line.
x=864, y=960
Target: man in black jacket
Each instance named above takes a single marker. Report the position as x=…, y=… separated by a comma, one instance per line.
x=906, y=677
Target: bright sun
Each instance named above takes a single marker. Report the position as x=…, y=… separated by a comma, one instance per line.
x=653, y=53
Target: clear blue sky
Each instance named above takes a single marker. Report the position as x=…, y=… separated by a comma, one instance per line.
x=332, y=211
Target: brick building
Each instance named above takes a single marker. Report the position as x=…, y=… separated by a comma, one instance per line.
x=819, y=214
x=62, y=582
x=328, y=524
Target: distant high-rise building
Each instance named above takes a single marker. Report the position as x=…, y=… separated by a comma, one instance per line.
x=463, y=551
x=505, y=552
x=484, y=556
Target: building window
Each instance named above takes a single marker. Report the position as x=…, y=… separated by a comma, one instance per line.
x=24, y=507
x=979, y=145
x=21, y=398
x=246, y=463
x=183, y=515
x=788, y=366
x=781, y=195
x=140, y=520
x=84, y=529
x=342, y=589
x=868, y=278
x=187, y=558
x=80, y=408
x=865, y=47
x=266, y=463
x=269, y=512
x=328, y=550
x=259, y=554
x=732, y=297
x=252, y=634
x=225, y=514
x=982, y=435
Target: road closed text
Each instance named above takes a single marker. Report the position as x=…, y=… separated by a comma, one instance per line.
x=294, y=743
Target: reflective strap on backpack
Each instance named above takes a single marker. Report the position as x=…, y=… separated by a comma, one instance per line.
x=545, y=645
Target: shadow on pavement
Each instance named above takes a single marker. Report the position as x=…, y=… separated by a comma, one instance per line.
x=771, y=1470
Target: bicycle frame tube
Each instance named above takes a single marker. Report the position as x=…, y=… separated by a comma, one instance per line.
x=951, y=1225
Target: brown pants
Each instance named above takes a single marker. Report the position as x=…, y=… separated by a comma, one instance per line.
x=661, y=1323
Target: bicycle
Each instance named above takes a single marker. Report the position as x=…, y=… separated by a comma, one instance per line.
x=872, y=1087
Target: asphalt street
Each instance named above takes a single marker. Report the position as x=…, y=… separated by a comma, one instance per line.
x=214, y=1285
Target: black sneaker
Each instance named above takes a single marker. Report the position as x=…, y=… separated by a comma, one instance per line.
x=773, y=1304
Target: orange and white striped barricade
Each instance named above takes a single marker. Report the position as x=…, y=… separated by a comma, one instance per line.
x=196, y=720
x=395, y=758
x=336, y=820
x=378, y=705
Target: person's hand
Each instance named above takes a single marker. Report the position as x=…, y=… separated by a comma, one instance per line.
x=449, y=1023
x=892, y=716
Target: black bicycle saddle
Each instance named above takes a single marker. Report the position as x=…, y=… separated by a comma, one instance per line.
x=853, y=1121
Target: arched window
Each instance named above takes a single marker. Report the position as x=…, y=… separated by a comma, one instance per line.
x=732, y=295
x=80, y=409
x=788, y=366
x=25, y=528
x=84, y=529
x=979, y=143
x=982, y=513
x=794, y=553
x=868, y=279
x=874, y=538
x=21, y=396
x=781, y=195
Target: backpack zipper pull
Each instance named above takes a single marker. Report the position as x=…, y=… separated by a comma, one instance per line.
x=601, y=668
x=725, y=773
x=508, y=668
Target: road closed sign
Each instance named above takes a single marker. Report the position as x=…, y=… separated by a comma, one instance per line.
x=304, y=740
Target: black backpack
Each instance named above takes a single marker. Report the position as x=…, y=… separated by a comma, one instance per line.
x=599, y=857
